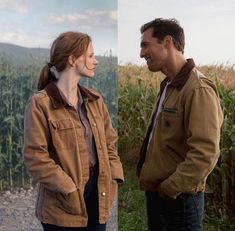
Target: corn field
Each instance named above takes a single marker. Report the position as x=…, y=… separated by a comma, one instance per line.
x=17, y=83
x=137, y=91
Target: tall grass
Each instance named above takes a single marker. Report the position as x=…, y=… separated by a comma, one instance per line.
x=137, y=91
x=16, y=85
x=222, y=179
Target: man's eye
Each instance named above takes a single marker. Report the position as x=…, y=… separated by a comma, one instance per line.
x=144, y=45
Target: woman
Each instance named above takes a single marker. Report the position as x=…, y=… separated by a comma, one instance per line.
x=69, y=141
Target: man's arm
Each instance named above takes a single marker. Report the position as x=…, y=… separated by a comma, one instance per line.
x=202, y=119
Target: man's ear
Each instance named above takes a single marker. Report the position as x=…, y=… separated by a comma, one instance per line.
x=168, y=41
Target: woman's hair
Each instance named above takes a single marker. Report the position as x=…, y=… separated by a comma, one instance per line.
x=68, y=43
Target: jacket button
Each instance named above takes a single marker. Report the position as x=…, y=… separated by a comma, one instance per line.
x=94, y=124
x=99, y=147
x=103, y=194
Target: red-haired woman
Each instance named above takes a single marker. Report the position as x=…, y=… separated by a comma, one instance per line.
x=69, y=141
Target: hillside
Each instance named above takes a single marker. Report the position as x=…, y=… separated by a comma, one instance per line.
x=22, y=55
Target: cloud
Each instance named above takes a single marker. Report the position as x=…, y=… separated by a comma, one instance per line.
x=19, y=6
x=90, y=18
x=12, y=36
x=23, y=39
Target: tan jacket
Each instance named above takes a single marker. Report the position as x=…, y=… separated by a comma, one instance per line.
x=52, y=137
x=184, y=147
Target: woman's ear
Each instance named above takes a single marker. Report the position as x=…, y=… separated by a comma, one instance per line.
x=71, y=60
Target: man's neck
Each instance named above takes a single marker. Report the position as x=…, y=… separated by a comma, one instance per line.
x=175, y=64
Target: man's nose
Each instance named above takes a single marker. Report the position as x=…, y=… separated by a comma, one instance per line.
x=142, y=53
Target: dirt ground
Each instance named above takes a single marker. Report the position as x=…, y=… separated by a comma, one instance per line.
x=17, y=211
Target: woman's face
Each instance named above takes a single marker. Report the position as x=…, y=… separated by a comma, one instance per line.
x=85, y=64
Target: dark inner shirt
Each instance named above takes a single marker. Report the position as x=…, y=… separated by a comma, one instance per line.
x=90, y=141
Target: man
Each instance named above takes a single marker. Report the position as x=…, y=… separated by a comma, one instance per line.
x=181, y=146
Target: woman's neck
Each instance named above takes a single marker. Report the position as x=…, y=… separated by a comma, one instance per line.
x=67, y=83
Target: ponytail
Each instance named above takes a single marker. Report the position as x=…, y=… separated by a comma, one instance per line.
x=45, y=77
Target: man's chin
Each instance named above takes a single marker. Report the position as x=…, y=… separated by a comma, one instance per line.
x=152, y=68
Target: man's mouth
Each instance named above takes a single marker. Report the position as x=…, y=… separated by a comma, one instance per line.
x=147, y=59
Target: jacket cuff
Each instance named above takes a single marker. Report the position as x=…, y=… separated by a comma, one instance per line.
x=68, y=186
x=119, y=181
x=117, y=173
x=168, y=189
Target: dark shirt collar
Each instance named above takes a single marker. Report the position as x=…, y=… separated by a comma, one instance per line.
x=59, y=101
x=182, y=77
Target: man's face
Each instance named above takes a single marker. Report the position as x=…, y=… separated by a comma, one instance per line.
x=153, y=51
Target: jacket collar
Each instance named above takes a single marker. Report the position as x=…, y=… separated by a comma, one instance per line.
x=58, y=101
x=182, y=77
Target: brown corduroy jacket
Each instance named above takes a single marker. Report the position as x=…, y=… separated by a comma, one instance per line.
x=53, y=135
x=184, y=147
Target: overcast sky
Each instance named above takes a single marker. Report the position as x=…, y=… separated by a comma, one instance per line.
x=209, y=27
x=36, y=23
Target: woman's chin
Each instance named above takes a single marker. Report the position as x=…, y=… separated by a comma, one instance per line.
x=90, y=75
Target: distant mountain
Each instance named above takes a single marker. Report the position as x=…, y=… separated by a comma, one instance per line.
x=13, y=49
x=22, y=55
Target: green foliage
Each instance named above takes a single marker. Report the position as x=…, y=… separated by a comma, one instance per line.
x=134, y=105
x=217, y=219
x=222, y=179
x=131, y=204
x=16, y=84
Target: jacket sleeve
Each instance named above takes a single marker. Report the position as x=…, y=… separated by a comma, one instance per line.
x=202, y=122
x=111, y=139
x=36, y=157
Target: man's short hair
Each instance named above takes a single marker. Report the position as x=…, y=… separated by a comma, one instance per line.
x=163, y=27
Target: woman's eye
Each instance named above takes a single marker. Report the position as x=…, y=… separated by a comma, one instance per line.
x=91, y=55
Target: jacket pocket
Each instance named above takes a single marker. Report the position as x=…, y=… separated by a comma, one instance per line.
x=70, y=203
x=171, y=129
x=170, y=111
x=171, y=120
x=63, y=133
